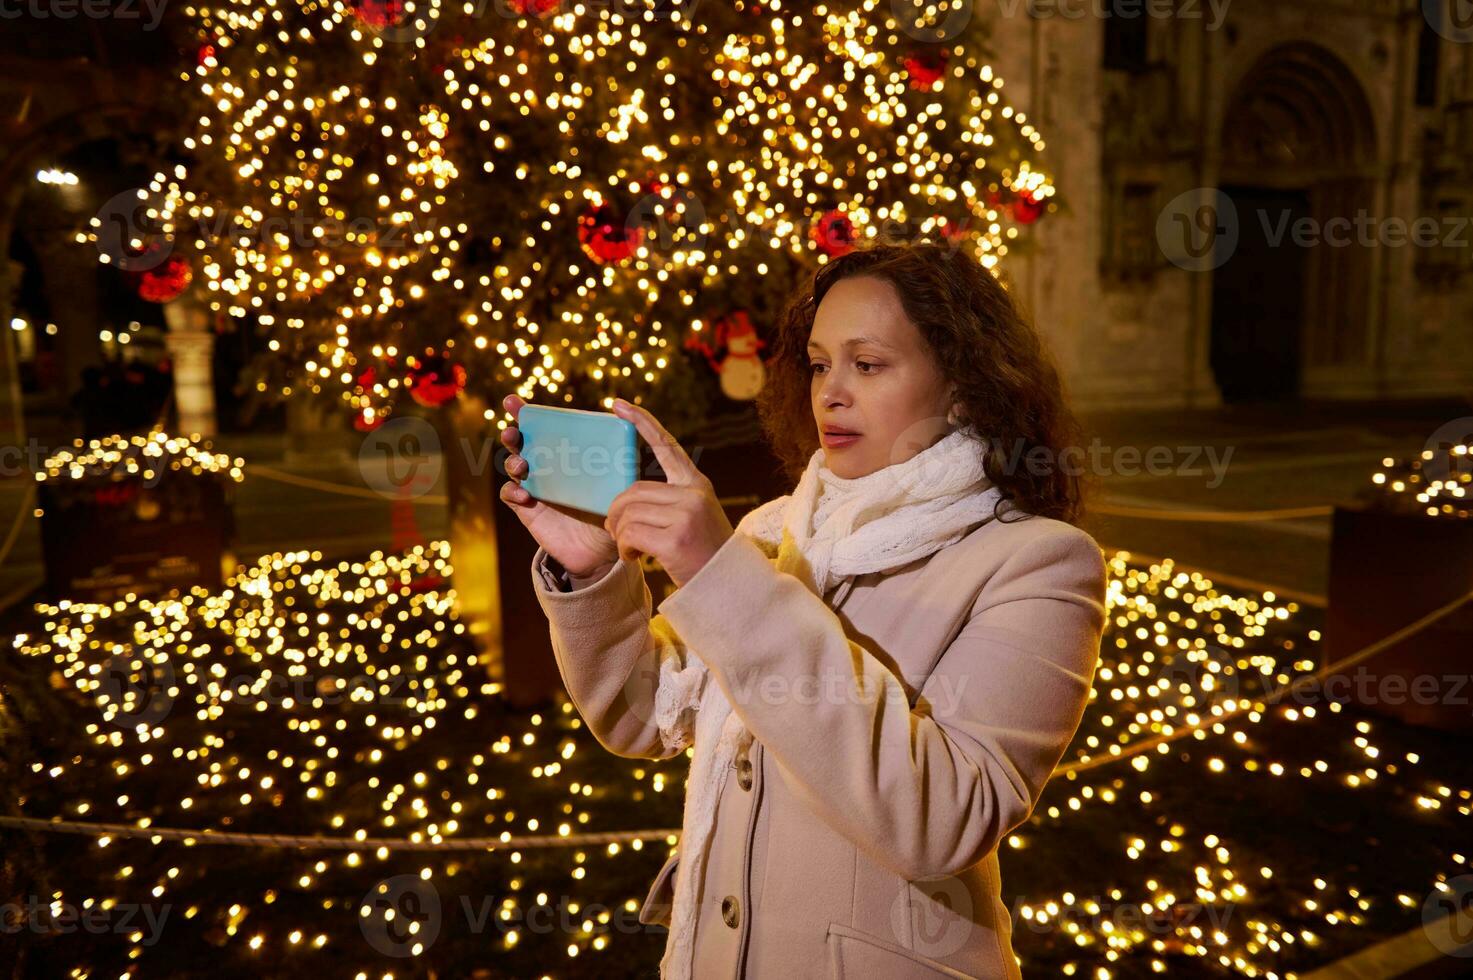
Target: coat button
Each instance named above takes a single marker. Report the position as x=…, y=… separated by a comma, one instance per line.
x=744, y=773
x=731, y=911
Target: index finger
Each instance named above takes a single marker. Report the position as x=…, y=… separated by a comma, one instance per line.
x=677, y=465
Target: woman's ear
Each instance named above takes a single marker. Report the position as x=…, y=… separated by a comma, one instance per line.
x=956, y=414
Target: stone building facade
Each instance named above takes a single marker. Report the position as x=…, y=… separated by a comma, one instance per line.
x=1262, y=200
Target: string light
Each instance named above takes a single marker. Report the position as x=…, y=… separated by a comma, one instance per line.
x=341, y=693
x=1179, y=651
x=138, y=455
x=1438, y=481
x=343, y=698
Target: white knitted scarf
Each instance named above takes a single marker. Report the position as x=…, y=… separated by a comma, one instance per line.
x=828, y=529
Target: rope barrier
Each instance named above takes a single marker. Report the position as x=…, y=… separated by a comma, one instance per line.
x=1365, y=653
x=24, y=511
x=1213, y=516
x=280, y=476
x=1226, y=578
x=1113, y=510
x=16, y=595
x=192, y=837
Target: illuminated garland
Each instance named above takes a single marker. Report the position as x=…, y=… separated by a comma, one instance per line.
x=139, y=455
x=1439, y=480
x=343, y=699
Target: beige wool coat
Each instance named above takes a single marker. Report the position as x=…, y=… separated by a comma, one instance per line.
x=902, y=726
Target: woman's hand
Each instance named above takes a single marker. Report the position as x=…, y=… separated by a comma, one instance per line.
x=574, y=538
x=679, y=522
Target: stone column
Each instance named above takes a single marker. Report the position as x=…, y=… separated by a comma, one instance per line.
x=191, y=346
x=468, y=443
x=12, y=406
x=69, y=281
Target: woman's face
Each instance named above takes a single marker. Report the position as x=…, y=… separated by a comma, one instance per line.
x=871, y=373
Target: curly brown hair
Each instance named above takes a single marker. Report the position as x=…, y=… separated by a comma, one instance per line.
x=1006, y=383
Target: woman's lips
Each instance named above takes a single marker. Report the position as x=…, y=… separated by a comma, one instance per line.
x=837, y=440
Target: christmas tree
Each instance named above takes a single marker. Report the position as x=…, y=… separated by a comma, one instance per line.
x=559, y=199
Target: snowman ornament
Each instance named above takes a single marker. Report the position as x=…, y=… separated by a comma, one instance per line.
x=741, y=369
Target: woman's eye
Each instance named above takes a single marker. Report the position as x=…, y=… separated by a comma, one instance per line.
x=865, y=367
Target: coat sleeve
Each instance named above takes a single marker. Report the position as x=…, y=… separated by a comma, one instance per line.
x=929, y=790
x=612, y=656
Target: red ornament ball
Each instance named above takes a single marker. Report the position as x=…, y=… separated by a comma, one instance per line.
x=605, y=237
x=1028, y=209
x=535, y=8
x=954, y=231
x=926, y=66
x=363, y=423
x=167, y=282
x=379, y=14
x=434, y=381
x=834, y=234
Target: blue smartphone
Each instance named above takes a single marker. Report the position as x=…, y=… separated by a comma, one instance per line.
x=577, y=458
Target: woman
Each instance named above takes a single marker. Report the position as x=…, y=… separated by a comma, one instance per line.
x=878, y=671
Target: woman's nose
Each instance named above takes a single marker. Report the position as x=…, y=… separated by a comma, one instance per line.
x=832, y=392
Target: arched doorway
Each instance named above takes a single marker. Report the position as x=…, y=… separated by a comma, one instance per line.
x=1298, y=144
x=49, y=282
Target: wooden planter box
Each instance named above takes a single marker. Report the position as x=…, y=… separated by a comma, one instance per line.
x=1388, y=570
x=107, y=535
